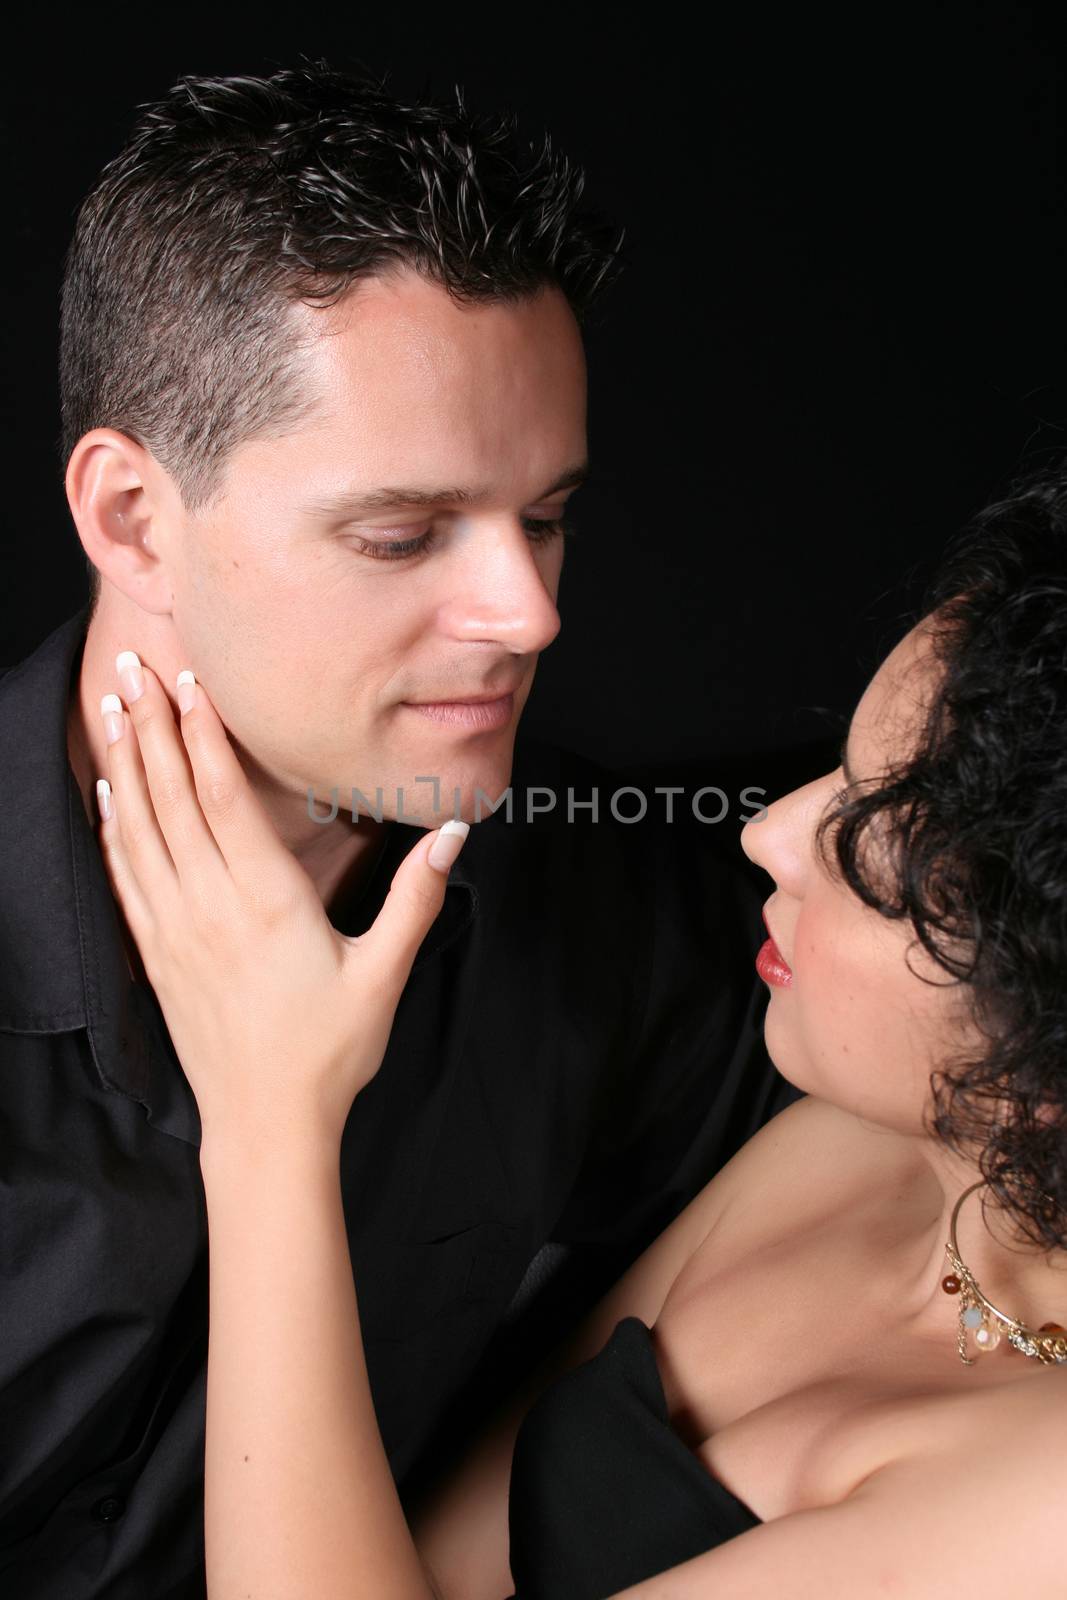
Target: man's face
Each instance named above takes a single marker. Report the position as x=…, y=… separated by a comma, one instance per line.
x=312, y=639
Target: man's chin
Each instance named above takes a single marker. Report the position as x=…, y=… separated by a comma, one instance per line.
x=469, y=789
x=470, y=793
x=423, y=787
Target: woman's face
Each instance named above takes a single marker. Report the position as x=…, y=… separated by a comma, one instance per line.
x=852, y=1023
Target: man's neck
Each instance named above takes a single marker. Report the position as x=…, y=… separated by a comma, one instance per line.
x=338, y=856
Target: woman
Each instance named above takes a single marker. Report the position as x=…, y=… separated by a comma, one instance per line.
x=796, y=1388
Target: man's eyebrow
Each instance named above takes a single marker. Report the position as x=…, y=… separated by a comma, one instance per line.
x=357, y=503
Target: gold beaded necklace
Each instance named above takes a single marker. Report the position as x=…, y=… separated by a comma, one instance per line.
x=979, y=1318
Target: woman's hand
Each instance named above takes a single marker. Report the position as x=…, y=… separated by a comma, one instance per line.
x=275, y=1016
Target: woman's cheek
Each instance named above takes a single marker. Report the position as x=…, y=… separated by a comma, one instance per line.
x=834, y=989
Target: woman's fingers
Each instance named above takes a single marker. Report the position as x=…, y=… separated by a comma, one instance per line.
x=163, y=808
x=136, y=832
x=131, y=898
x=413, y=903
x=185, y=814
x=242, y=830
x=207, y=813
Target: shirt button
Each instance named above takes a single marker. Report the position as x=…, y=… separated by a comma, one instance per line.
x=109, y=1509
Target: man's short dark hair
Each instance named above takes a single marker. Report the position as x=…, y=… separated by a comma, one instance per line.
x=235, y=197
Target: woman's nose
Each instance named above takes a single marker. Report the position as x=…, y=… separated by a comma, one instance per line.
x=781, y=842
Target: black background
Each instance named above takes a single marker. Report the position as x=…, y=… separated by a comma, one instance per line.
x=840, y=331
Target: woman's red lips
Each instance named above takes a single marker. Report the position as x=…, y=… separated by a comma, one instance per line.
x=771, y=964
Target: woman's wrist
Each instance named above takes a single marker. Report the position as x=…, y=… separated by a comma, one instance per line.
x=247, y=1147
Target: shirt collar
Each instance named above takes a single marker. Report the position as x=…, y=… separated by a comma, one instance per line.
x=62, y=962
x=42, y=981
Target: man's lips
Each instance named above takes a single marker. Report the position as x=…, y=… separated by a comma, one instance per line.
x=770, y=962
x=478, y=699
x=477, y=712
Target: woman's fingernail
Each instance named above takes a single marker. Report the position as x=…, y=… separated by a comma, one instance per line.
x=186, y=690
x=114, y=723
x=448, y=844
x=103, y=798
x=128, y=667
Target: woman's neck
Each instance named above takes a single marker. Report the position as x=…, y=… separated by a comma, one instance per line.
x=1019, y=1277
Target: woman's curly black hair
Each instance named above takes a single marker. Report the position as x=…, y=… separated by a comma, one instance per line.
x=975, y=821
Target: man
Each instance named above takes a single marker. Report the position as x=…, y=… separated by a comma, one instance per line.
x=323, y=397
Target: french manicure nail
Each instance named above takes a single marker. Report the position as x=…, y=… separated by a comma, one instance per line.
x=448, y=844
x=186, y=687
x=111, y=711
x=128, y=667
x=103, y=798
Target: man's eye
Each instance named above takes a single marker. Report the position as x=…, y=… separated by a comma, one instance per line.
x=393, y=549
x=539, y=529
x=543, y=530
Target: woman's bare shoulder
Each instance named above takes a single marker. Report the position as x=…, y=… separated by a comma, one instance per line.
x=1027, y=1416
x=988, y=1466
x=806, y=1160
x=810, y=1154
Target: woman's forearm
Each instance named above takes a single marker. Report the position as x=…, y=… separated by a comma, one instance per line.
x=299, y=1497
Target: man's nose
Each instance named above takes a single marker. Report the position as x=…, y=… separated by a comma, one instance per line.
x=500, y=593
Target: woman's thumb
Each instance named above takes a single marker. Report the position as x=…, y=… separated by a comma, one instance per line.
x=446, y=846
x=415, y=898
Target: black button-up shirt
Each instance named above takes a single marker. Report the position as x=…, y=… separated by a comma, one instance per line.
x=576, y=1052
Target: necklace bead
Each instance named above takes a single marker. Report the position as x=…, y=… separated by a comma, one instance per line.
x=981, y=1320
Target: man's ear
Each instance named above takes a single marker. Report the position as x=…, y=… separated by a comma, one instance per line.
x=123, y=505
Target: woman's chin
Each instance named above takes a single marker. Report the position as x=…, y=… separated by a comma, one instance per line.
x=793, y=1063
x=779, y=1038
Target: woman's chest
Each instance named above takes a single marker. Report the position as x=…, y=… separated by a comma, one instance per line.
x=791, y=1384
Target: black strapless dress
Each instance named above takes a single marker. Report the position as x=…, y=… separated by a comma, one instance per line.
x=604, y=1493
